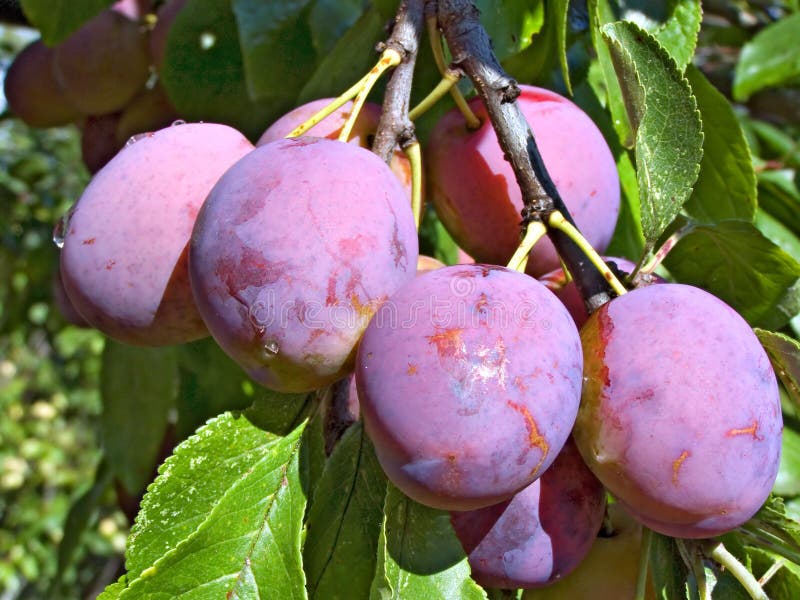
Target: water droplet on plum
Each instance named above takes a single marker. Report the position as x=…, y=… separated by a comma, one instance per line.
x=177, y=122
x=61, y=227
x=272, y=347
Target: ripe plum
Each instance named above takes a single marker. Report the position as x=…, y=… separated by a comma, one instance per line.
x=476, y=195
x=680, y=416
x=542, y=533
x=124, y=257
x=283, y=268
x=469, y=380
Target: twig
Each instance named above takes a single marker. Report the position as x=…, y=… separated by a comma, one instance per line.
x=471, y=50
x=394, y=126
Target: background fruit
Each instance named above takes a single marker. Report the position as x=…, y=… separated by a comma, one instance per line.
x=124, y=257
x=542, y=533
x=610, y=570
x=150, y=110
x=103, y=65
x=680, y=416
x=99, y=140
x=475, y=193
x=455, y=350
x=32, y=91
x=291, y=314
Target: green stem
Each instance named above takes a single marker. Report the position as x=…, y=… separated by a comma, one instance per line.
x=329, y=109
x=662, y=252
x=389, y=58
x=644, y=564
x=431, y=23
x=534, y=233
x=414, y=154
x=559, y=222
x=443, y=87
x=748, y=581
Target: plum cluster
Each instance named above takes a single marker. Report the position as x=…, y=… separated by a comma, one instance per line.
x=100, y=78
x=486, y=392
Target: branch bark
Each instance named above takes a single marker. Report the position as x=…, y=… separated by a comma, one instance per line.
x=394, y=126
x=472, y=52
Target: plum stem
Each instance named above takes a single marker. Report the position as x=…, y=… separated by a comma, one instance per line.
x=644, y=564
x=445, y=85
x=719, y=553
x=557, y=221
x=535, y=232
x=662, y=251
x=471, y=50
x=432, y=24
x=318, y=116
x=389, y=58
x=414, y=154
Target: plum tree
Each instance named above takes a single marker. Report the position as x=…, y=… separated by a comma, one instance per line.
x=123, y=261
x=292, y=314
x=609, y=571
x=363, y=130
x=680, y=416
x=104, y=64
x=454, y=350
x=542, y=533
x=32, y=92
x=474, y=191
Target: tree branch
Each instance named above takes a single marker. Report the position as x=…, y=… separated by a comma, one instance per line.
x=472, y=52
x=394, y=126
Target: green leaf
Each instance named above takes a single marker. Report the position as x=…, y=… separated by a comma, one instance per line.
x=664, y=116
x=669, y=571
x=788, y=481
x=736, y=263
x=330, y=19
x=677, y=33
x=778, y=233
x=784, y=353
x=56, y=19
x=114, y=590
x=204, y=74
x=726, y=185
x=771, y=58
x=779, y=196
x=600, y=14
x=139, y=387
x=348, y=60
x=345, y=521
x=223, y=519
x=511, y=24
x=80, y=514
x=771, y=530
x=275, y=50
x=419, y=556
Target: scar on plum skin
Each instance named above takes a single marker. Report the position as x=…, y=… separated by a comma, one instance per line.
x=448, y=342
x=412, y=369
x=535, y=439
x=89, y=241
x=677, y=464
x=752, y=431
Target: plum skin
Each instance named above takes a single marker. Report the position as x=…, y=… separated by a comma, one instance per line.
x=291, y=313
x=475, y=192
x=542, y=533
x=124, y=260
x=680, y=415
x=457, y=349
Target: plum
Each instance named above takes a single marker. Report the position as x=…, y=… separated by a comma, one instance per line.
x=680, y=416
x=99, y=141
x=295, y=248
x=475, y=193
x=542, y=533
x=32, y=92
x=330, y=127
x=149, y=111
x=469, y=381
x=167, y=13
x=124, y=257
x=610, y=570
x=104, y=64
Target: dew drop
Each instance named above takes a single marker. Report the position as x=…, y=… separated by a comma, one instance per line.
x=177, y=122
x=61, y=227
x=135, y=138
x=272, y=347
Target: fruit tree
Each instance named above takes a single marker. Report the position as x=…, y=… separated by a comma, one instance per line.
x=431, y=298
